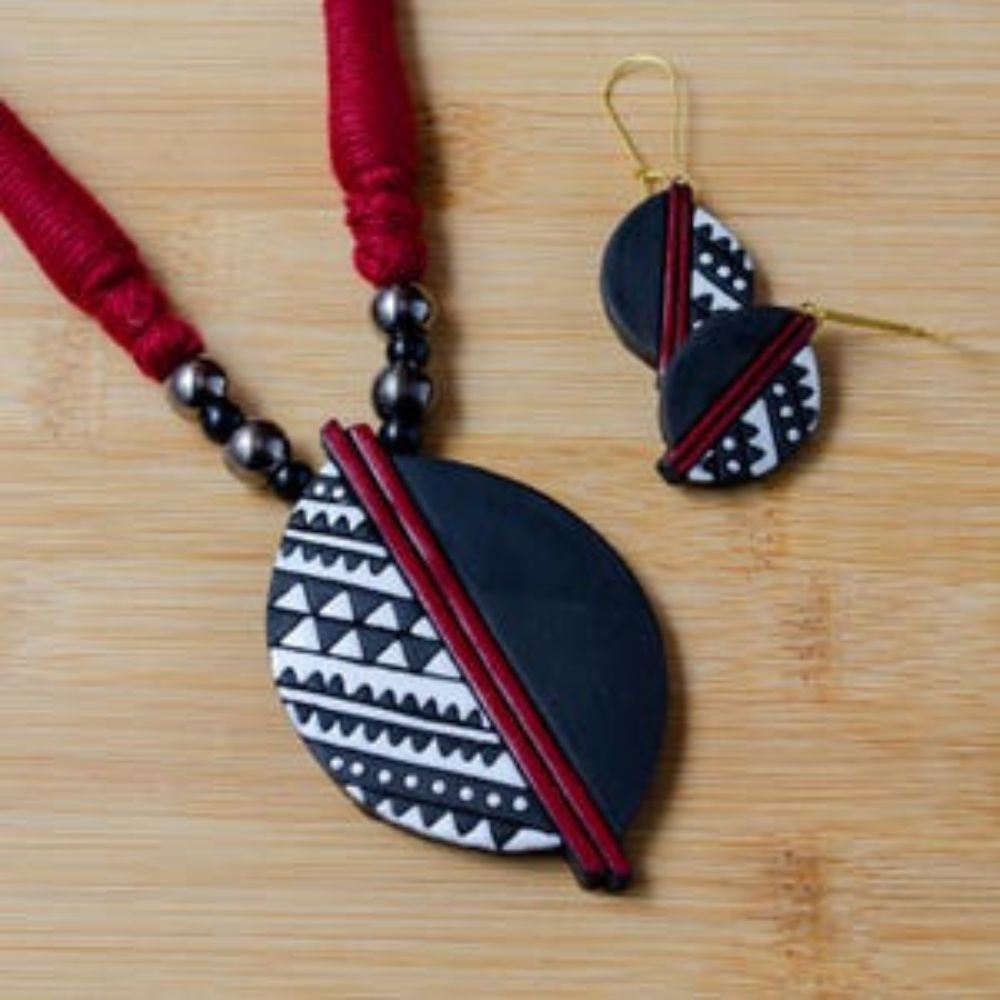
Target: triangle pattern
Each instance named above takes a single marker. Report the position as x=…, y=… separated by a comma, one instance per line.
x=442, y=665
x=384, y=616
x=294, y=599
x=303, y=636
x=419, y=651
x=339, y=607
x=393, y=656
x=364, y=602
x=331, y=631
x=348, y=647
x=423, y=629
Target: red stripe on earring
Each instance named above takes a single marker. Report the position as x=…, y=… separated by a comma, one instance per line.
x=676, y=272
x=684, y=455
x=740, y=393
x=667, y=284
x=683, y=201
x=369, y=472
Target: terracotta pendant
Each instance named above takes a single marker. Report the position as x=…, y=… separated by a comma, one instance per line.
x=465, y=658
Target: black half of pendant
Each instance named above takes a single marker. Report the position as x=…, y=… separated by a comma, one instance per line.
x=466, y=658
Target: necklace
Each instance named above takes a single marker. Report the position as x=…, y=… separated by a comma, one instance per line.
x=463, y=656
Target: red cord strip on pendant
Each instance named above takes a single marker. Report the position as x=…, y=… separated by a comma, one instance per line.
x=497, y=683
x=375, y=482
x=86, y=254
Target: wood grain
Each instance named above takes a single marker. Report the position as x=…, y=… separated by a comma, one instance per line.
x=826, y=821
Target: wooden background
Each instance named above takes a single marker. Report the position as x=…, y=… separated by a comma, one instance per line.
x=826, y=820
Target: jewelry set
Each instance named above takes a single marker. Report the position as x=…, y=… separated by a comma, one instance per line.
x=463, y=656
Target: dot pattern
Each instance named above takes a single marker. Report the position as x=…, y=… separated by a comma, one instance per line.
x=751, y=447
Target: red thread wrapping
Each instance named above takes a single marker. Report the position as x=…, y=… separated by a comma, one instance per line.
x=86, y=254
x=373, y=146
x=373, y=140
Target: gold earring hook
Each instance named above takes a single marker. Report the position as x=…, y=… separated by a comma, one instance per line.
x=650, y=176
x=824, y=315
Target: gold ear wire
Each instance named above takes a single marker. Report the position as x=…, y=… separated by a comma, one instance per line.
x=651, y=177
x=824, y=315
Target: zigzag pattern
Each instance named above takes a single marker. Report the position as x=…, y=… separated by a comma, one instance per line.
x=485, y=834
x=447, y=737
x=736, y=454
x=340, y=541
x=369, y=643
x=424, y=749
x=339, y=601
x=335, y=518
x=420, y=694
x=454, y=706
x=357, y=570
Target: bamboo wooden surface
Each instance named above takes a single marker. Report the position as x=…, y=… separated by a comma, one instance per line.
x=826, y=819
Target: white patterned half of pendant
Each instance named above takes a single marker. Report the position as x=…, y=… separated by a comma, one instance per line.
x=465, y=658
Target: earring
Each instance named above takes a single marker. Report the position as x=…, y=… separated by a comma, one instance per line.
x=739, y=383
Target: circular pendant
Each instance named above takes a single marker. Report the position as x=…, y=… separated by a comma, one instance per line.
x=465, y=658
x=678, y=288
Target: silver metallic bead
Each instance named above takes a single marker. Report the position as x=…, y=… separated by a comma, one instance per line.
x=402, y=307
x=256, y=451
x=400, y=390
x=194, y=383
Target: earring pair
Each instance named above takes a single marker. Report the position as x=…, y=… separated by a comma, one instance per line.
x=738, y=382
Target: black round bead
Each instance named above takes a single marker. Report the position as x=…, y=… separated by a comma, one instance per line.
x=195, y=382
x=402, y=307
x=291, y=480
x=219, y=419
x=409, y=346
x=401, y=390
x=402, y=437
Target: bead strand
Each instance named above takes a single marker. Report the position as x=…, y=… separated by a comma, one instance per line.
x=256, y=451
x=403, y=391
